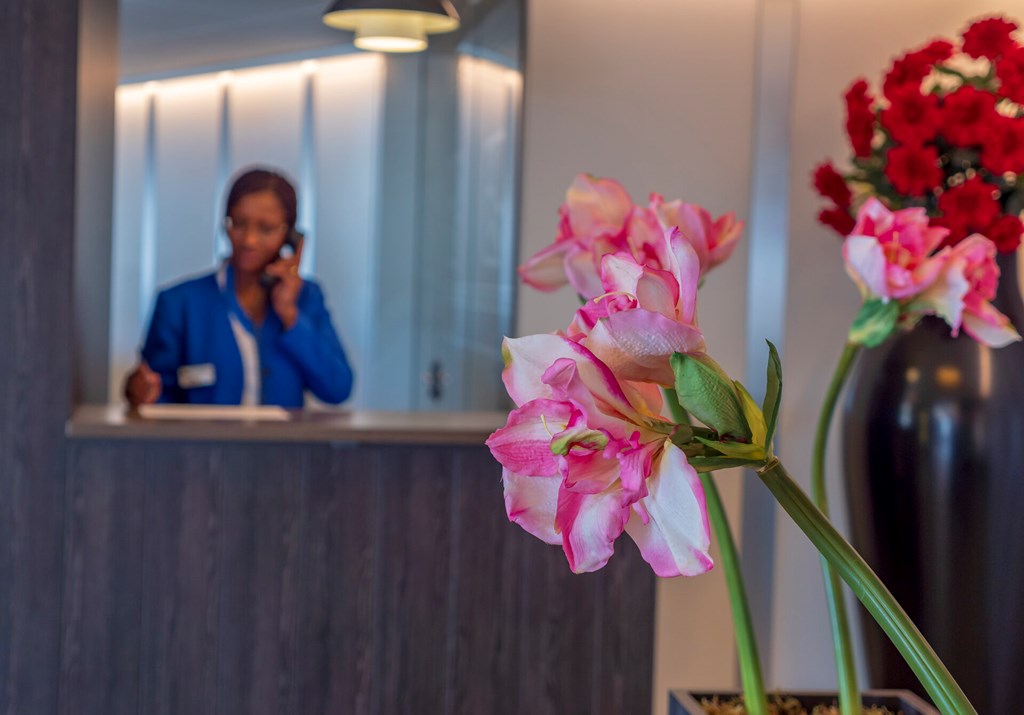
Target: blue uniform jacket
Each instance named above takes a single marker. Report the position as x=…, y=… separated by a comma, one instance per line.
x=191, y=327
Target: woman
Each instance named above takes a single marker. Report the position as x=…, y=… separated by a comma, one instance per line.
x=254, y=332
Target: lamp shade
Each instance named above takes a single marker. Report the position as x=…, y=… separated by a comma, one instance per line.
x=392, y=25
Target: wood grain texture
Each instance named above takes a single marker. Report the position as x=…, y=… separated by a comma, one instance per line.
x=321, y=579
x=260, y=579
x=557, y=628
x=183, y=560
x=102, y=581
x=410, y=625
x=38, y=59
x=625, y=634
x=340, y=582
x=485, y=596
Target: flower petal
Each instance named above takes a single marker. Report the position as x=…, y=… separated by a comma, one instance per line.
x=987, y=325
x=596, y=205
x=523, y=445
x=687, y=270
x=566, y=384
x=582, y=272
x=727, y=232
x=866, y=264
x=589, y=524
x=635, y=469
x=532, y=502
x=636, y=344
x=620, y=273
x=528, y=359
x=588, y=472
x=693, y=228
x=658, y=291
x=545, y=270
x=675, y=537
x=945, y=296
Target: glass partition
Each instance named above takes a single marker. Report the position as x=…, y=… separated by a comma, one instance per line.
x=407, y=174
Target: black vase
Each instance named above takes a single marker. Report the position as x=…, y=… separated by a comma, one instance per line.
x=933, y=454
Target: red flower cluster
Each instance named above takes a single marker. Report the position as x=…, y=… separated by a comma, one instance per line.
x=956, y=150
x=860, y=119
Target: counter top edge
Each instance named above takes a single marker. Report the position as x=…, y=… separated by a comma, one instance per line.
x=344, y=426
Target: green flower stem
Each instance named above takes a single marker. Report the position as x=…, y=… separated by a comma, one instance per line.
x=849, y=693
x=937, y=681
x=746, y=643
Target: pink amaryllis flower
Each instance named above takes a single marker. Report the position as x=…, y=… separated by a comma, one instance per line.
x=593, y=223
x=714, y=240
x=598, y=218
x=586, y=457
x=962, y=293
x=889, y=254
x=646, y=314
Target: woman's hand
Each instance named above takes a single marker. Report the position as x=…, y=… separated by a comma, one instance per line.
x=143, y=386
x=284, y=295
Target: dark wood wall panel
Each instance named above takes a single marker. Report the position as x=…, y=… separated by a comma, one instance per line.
x=626, y=633
x=38, y=60
x=321, y=579
x=413, y=526
x=259, y=587
x=340, y=582
x=486, y=598
x=103, y=581
x=181, y=579
x=557, y=626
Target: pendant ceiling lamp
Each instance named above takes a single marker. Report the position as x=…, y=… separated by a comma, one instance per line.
x=392, y=25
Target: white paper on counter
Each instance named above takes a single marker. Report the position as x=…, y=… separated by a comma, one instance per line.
x=263, y=413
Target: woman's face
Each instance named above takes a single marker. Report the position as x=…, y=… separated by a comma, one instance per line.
x=256, y=228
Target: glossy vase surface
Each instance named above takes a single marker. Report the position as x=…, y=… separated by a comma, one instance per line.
x=933, y=455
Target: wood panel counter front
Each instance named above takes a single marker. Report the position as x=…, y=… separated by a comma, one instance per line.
x=337, y=563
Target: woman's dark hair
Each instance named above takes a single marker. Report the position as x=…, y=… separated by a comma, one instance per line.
x=256, y=180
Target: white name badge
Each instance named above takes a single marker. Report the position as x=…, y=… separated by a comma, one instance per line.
x=190, y=376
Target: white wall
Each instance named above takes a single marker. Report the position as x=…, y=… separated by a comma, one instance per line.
x=658, y=95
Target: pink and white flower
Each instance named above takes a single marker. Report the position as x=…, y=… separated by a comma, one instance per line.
x=896, y=255
x=598, y=218
x=586, y=457
x=646, y=314
x=714, y=240
x=593, y=223
x=889, y=254
x=961, y=296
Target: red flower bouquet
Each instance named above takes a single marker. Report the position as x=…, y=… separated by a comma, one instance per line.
x=946, y=134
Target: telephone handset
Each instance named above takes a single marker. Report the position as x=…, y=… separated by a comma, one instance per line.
x=291, y=247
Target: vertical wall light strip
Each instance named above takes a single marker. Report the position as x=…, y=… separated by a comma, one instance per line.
x=147, y=249
x=219, y=245
x=509, y=247
x=307, y=170
x=467, y=220
x=766, y=279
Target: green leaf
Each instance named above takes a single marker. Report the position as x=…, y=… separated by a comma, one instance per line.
x=741, y=450
x=681, y=436
x=710, y=464
x=875, y=322
x=772, y=395
x=752, y=413
x=707, y=393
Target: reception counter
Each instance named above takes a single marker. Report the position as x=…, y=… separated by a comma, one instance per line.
x=352, y=562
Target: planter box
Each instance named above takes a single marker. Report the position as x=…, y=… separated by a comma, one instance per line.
x=687, y=702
